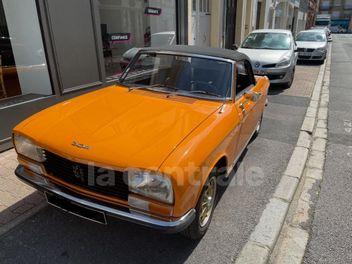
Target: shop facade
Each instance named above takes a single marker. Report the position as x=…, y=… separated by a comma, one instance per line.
x=52, y=50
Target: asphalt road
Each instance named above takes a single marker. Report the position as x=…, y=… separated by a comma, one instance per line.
x=56, y=237
x=331, y=234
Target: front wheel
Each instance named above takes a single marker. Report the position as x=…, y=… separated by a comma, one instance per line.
x=257, y=128
x=204, y=210
x=292, y=77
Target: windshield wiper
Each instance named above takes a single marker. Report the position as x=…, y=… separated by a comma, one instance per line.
x=204, y=92
x=152, y=86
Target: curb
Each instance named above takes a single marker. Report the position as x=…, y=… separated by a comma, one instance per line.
x=309, y=152
x=7, y=227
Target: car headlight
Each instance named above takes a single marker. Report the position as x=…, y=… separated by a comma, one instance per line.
x=27, y=148
x=151, y=184
x=321, y=49
x=284, y=62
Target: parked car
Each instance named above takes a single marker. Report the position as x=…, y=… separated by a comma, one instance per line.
x=151, y=149
x=167, y=38
x=272, y=52
x=327, y=32
x=312, y=45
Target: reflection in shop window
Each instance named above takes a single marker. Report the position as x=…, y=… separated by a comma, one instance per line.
x=23, y=70
x=129, y=25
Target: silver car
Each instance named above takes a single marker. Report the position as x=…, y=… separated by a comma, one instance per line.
x=272, y=53
x=312, y=45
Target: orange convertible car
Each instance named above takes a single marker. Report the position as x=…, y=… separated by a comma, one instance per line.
x=151, y=149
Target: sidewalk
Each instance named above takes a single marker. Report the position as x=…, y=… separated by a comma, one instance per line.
x=17, y=200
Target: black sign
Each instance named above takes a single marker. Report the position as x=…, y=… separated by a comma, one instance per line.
x=152, y=11
x=120, y=37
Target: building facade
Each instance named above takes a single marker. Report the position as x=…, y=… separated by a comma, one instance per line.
x=291, y=15
x=341, y=13
x=313, y=8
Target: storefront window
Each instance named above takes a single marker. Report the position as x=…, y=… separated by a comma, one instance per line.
x=127, y=25
x=23, y=69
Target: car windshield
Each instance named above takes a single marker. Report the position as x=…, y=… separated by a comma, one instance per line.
x=158, y=40
x=311, y=36
x=182, y=75
x=274, y=41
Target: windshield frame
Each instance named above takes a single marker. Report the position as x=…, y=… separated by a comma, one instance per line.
x=268, y=32
x=230, y=97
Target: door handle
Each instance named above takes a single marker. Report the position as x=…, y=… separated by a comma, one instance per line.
x=243, y=109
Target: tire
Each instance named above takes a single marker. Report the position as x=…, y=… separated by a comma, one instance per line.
x=289, y=83
x=197, y=229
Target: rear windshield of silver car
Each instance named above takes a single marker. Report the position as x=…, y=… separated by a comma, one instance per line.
x=193, y=76
x=267, y=40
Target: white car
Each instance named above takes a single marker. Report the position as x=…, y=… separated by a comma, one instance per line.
x=312, y=45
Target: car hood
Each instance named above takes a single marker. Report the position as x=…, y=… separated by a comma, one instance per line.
x=123, y=129
x=310, y=44
x=265, y=56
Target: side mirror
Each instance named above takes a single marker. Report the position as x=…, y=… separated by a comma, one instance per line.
x=235, y=46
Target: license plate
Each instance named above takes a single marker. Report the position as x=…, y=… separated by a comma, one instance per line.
x=259, y=72
x=304, y=54
x=75, y=209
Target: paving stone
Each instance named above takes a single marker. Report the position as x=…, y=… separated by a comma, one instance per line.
x=304, y=140
x=297, y=162
x=7, y=198
x=267, y=230
x=308, y=124
x=252, y=253
x=321, y=132
x=322, y=124
x=316, y=159
x=311, y=112
x=319, y=144
x=293, y=246
x=323, y=113
x=286, y=188
x=301, y=214
x=314, y=173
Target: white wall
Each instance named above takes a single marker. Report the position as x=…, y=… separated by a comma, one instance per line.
x=27, y=46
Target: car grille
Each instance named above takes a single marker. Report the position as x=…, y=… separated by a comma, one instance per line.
x=305, y=50
x=96, y=179
x=304, y=57
x=273, y=65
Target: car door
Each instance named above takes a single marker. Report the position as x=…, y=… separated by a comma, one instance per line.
x=246, y=102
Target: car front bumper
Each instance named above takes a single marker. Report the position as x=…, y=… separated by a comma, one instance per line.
x=315, y=55
x=276, y=75
x=42, y=184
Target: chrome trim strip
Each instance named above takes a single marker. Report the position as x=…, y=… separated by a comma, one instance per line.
x=42, y=184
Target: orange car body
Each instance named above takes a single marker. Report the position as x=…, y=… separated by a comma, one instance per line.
x=178, y=136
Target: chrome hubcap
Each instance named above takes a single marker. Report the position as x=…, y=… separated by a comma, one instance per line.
x=207, y=202
x=258, y=126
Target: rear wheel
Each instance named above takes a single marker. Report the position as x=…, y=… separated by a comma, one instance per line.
x=204, y=210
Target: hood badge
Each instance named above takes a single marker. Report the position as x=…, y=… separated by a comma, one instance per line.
x=79, y=145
